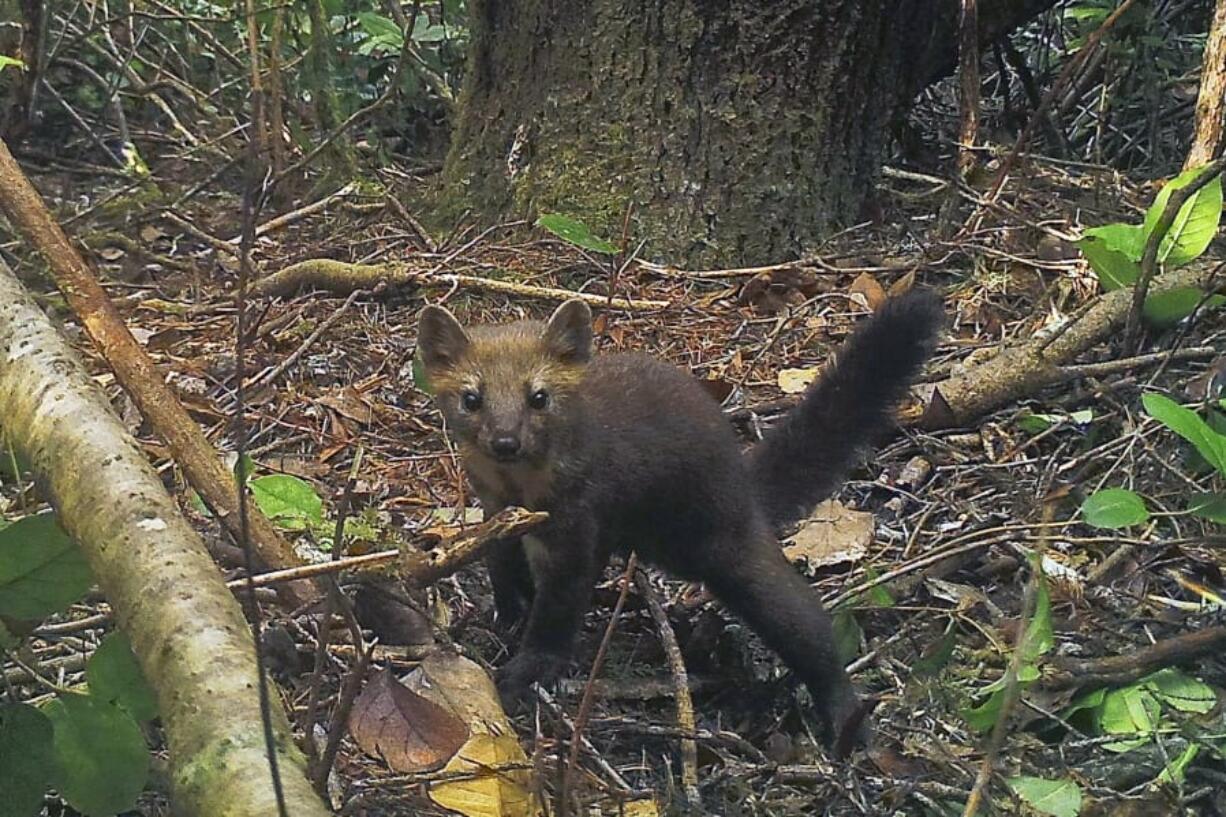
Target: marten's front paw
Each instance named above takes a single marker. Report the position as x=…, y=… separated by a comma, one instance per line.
x=848, y=726
x=527, y=667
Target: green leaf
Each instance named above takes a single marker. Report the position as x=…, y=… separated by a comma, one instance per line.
x=983, y=717
x=382, y=29
x=1180, y=691
x=27, y=763
x=1089, y=700
x=1130, y=711
x=424, y=32
x=1163, y=309
x=6, y=62
x=1113, y=252
x=1040, y=637
x=1195, y=224
x=42, y=571
x=288, y=501
x=847, y=635
x=939, y=656
x=1209, y=506
x=420, y=381
x=244, y=467
x=878, y=595
x=575, y=232
x=115, y=677
x=1058, y=798
x=1188, y=424
x=1114, y=508
x=103, y=762
x=197, y=504
x=1126, y=239
x=1038, y=423
x=1175, y=770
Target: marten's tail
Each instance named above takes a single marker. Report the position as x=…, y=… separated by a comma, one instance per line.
x=803, y=460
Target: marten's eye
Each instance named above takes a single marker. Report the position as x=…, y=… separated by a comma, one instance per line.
x=471, y=401
x=539, y=399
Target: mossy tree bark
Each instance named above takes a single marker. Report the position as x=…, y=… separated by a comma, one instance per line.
x=739, y=131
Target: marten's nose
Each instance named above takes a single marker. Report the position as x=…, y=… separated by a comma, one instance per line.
x=505, y=446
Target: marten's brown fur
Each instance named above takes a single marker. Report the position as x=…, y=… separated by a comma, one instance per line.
x=626, y=452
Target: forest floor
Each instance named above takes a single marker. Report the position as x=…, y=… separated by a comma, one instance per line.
x=927, y=643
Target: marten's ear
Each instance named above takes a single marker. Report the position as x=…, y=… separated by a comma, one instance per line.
x=568, y=335
x=441, y=341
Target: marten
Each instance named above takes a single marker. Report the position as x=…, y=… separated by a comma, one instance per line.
x=627, y=452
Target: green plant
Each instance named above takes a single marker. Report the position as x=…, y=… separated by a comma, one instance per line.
x=1058, y=798
x=85, y=741
x=1120, y=508
x=1115, y=250
x=1039, y=640
x=1136, y=712
x=575, y=232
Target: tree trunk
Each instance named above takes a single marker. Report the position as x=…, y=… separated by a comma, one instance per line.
x=1211, y=101
x=738, y=131
x=186, y=628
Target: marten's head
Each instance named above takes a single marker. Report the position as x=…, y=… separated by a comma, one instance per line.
x=505, y=389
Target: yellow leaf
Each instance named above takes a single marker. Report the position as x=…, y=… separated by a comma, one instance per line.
x=640, y=808
x=794, y=381
x=488, y=788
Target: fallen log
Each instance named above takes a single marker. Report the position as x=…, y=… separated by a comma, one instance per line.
x=342, y=278
x=1023, y=369
x=186, y=628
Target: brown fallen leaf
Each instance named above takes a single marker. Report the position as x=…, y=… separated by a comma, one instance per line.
x=866, y=286
x=640, y=808
x=408, y=732
x=833, y=534
x=902, y=285
x=463, y=688
x=349, y=403
x=379, y=607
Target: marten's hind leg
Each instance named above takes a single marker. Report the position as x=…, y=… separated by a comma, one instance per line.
x=753, y=578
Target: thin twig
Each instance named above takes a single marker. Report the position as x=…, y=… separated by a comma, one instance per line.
x=324, y=325
x=1012, y=690
x=324, y=631
x=585, y=703
x=253, y=197
x=339, y=718
x=685, y=704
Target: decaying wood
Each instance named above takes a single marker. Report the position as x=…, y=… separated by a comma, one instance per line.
x=420, y=567
x=1023, y=369
x=1114, y=670
x=968, y=86
x=428, y=566
x=140, y=378
x=1208, y=140
x=186, y=628
x=339, y=277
